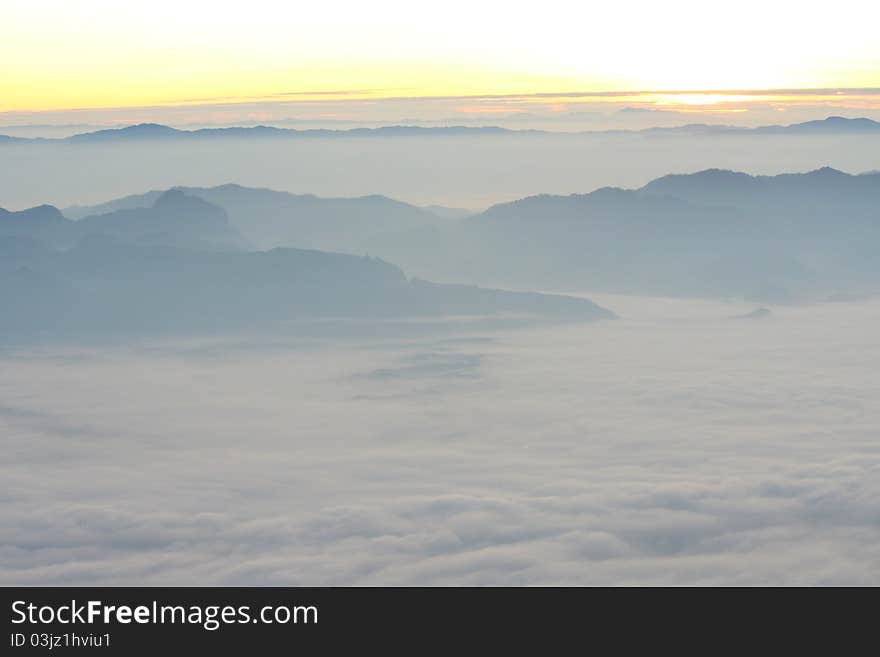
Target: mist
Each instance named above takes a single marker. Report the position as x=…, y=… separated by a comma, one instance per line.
x=688, y=442
x=470, y=172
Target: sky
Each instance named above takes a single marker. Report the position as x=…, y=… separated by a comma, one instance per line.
x=229, y=61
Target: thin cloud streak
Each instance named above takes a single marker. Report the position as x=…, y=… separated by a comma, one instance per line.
x=354, y=95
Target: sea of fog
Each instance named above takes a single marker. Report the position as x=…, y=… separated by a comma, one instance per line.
x=469, y=172
x=676, y=445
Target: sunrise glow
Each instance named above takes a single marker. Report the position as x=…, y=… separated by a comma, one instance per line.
x=97, y=53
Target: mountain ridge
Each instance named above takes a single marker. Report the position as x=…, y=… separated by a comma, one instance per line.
x=714, y=232
x=156, y=131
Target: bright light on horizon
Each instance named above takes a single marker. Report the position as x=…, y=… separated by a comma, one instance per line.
x=101, y=53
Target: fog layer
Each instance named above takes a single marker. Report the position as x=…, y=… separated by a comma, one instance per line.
x=470, y=172
x=687, y=443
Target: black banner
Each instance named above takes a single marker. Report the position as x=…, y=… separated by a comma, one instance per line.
x=414, y=620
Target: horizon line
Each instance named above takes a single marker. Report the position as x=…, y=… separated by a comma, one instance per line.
x=352, y=95
x=449, y=126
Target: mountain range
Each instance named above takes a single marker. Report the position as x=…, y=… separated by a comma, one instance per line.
x=268, y=218
x=171, y=218
x=711, y=233
x=177, y=265
x=233, y=256
x=832, y=125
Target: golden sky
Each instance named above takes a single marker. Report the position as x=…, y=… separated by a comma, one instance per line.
x=61, y=54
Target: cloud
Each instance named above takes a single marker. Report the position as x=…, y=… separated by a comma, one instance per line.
x=675, y=446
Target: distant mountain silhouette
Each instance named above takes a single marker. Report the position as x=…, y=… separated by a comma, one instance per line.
x=144, y=200
x=143, y=131
x=178, y=266
x=43, y=223
x=35, y=303
x=822, y=210
x=172, y=219
x=106, y=286
x=616, y=240
x=719, y=185
x=715, y=233
x=361, y=225
x=832, y=125
x=139, y=131
x=39, y=217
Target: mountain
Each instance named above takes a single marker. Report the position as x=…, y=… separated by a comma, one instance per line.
x=139, y=131
x=825, y=204
x=144, y=200
x=832, y=125
x=106, y=286
x=37, y=219
x=145, y=131
x=378, y=225
x=35, y=303
x=732, y=186
x=353, y=225
x=171, y=262
x=172, y=219
x=611, y=239
x=40, y=224
x=712, y=233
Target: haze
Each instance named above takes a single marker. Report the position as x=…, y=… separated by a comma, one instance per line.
x=472, y=293
x=466, y=172
x=675, y=446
